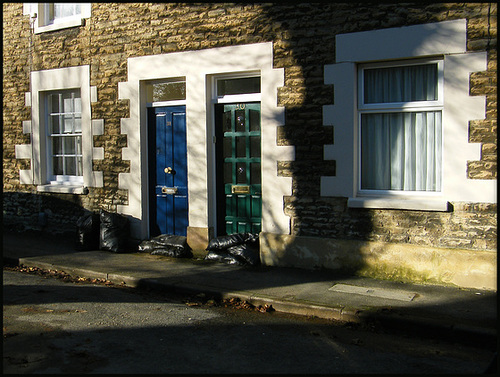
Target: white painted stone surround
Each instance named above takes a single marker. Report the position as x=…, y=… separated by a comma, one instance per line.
x=198, y=67
x=50, y=80
x=447, y=39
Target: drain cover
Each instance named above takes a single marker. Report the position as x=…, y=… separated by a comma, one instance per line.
x=393, y=294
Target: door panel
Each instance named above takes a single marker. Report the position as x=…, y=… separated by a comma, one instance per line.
x=238, y=155
x=168, y=170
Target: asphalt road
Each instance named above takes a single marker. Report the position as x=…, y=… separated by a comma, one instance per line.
x=55, y=326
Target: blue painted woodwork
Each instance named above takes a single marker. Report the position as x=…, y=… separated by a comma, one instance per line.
x=168, y=210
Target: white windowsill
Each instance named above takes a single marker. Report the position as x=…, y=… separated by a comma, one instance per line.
x=63, y=189
x=61, y=25
x=420, y=204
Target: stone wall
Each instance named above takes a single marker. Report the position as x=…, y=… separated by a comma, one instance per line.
x=470, y=226
x=52, y=213
x=303, y=37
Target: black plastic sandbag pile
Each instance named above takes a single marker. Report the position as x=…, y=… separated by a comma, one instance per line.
x=115, y=230
x=104, y=231
x=239, y=248
x=167, y=245
x=87, y=232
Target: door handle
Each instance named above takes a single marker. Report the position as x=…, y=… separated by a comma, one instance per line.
x=169, y=170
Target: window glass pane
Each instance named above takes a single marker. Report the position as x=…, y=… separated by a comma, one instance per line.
x=228, y=147
x=240, y=120
x=69, y=145
x=226, y=121
x=58, y=10
x=70, y=165
x=78, y=105
x=78, y=123
x=254, y=146
x=401, y=151
x=166, y=91
x=228, y=172
x=67, y=101
x=56, y=146
x=401, y=84
x=241, y=172
x=68, y=124
x=65, y=119
x=255, y=173
x=57, y=166
x=54, y=124
x=66, y=10
x=54, y=103
x=245, y=85
x=254, y=120
x=49, y=13
x=241, y=150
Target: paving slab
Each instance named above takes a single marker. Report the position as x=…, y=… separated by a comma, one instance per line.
x=325, y=294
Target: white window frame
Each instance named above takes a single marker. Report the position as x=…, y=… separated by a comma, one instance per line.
x=51, y=177
x=41, y=11
x=180, y=102
x=396, y=107
x=248, y=97
x=50, y=8
x=57, y=80
x=401, y=105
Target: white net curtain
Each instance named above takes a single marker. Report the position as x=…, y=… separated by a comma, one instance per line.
x=401, y=149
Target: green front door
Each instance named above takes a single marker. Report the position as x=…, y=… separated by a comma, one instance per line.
x=239, y=199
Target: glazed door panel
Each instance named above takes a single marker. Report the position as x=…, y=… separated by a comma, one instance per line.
x=238, y=140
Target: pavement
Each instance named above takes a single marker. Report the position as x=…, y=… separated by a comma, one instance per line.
x=467, y=314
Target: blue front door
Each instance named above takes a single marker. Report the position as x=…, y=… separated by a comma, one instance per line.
x=168, y=170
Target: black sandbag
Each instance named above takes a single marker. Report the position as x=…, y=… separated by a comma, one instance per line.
x=216, y=255
x=224, y=242
x=147, y=246
x=252, y=238
x=153, y=243
x=172, y=252
x=171, y=240
x=87, y=232
x=167, y=245
x=114, y=232
x=233, y=259
x=223, y=257
x=246, y=252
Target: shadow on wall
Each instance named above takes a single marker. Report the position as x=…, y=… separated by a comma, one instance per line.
x=295, y=49
x=311, y=216
x=325, y=233
x=54, y=213
x=44, y=216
